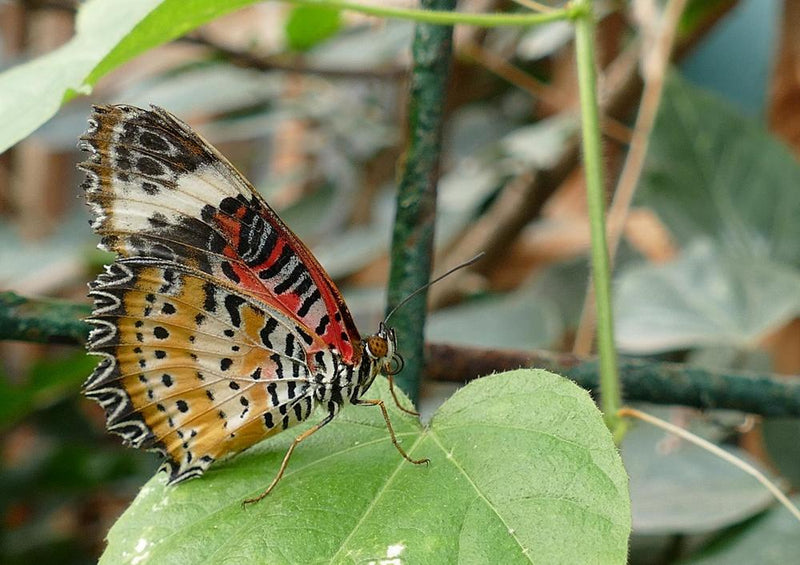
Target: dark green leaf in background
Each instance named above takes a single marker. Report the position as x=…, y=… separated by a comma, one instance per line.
x=703, y=298
x=780, y=441
x=107, y=34
x=771, y=539
x=522, y=471
x=680, y=488
x=711, y=172
x=309, y=25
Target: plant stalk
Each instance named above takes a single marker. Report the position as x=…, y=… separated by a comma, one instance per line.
x=610, y=393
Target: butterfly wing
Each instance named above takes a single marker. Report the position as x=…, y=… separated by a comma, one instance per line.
x=215, y=318
x=191, y=369
x=159, y=190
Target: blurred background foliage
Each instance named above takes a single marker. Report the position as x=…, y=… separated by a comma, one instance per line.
x=310, y=102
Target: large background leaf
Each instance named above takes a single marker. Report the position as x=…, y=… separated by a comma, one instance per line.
x=522, y=470
x=704, y=298
x=727, y=191
x=769, y=540
x=713, y=173
x=680, y=488
x=107, y=33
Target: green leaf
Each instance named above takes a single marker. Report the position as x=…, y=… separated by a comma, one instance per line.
x=680, y=488
x=522, y=470
x=770, y=540
x=703, y=298
x=107, y=33
x=47, y=383
x=713, y=173
x=780, y=440
x=309, y=25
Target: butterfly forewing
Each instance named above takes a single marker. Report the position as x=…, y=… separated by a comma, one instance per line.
x=215, y=319
x=159, y=190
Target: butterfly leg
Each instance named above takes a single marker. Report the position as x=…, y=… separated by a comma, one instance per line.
x=382, y=406
x=394, y=395
x=286, y=457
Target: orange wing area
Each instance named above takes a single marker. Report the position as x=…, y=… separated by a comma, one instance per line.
x=159, y=191
x=190, y=369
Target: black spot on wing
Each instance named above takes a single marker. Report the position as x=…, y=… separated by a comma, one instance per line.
x=282, y=260
x=272, y=389
x=293, y=277
x=229, y=272
x=304, y=284
x=304, y=335
x=323, y=324
x=157, y=220
x=308, y=302
x=210, y=301
x=266, y=331
x=232, y=305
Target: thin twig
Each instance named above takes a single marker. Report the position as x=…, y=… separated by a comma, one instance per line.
x=509, y=215
x=716, y=450
x=44, y=320
x=249, y=60
x=594, y=176
x=535, y=6
x=543, y=93
x=58, y=321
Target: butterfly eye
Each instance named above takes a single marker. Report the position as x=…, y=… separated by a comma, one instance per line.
x=395, y=365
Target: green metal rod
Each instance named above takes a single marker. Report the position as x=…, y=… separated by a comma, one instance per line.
x=412, y=240
x=42, y=320
x=59, y=321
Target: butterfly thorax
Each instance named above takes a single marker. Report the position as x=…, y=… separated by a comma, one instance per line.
x=337, y=382
x=380, y=352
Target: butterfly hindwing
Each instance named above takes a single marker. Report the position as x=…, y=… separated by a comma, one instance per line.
x=191, y=369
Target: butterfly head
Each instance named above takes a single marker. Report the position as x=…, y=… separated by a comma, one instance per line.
x=381, y=348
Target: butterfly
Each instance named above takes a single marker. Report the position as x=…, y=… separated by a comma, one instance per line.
x=216, y=325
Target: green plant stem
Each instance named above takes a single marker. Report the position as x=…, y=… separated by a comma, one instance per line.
x=610, y=394
x=764, y=394
x=449, y=17
x=59, y=321
x=412, y=239
x=42, y=320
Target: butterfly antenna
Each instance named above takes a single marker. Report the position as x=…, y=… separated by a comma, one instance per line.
x=437, y=279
